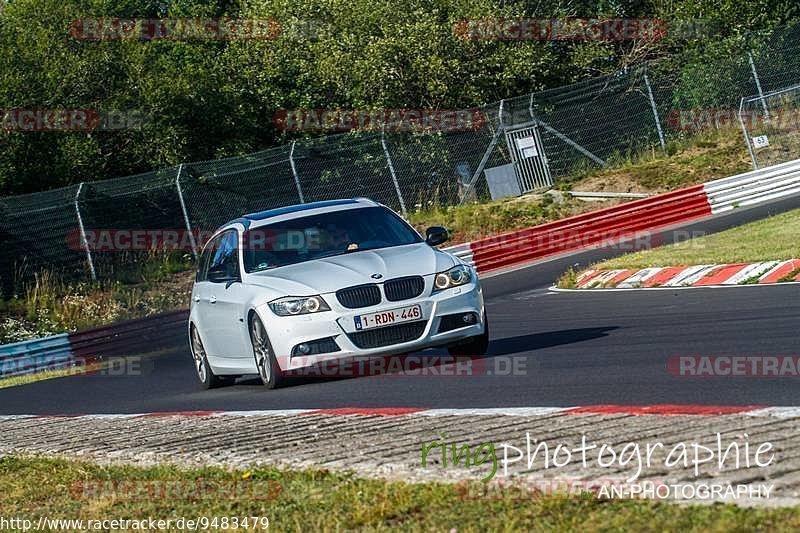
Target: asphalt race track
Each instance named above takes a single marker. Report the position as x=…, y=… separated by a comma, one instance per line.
x=569, y=349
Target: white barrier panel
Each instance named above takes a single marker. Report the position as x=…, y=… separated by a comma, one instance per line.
x=724, y=194
x=754, y=187
x=462, y=251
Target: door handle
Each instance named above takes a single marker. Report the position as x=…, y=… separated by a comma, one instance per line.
x=212, y=299
x=196, y=298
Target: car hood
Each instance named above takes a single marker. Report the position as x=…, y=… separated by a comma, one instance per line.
x=333, y=273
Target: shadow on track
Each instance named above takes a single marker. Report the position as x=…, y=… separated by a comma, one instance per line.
x=436, y=357
x=533, y=341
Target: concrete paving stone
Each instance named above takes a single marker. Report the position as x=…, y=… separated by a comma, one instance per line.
x=390, y=447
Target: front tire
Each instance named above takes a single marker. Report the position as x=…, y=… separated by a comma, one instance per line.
x=476, y=346
x=267, y=364
x=204, y=373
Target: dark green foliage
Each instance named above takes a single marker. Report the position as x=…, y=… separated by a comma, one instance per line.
x=207, y=99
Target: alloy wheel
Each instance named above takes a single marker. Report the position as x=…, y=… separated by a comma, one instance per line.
x=261, y=349
x=199, y=354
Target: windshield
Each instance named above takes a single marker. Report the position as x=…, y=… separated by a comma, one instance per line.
x=324, y=235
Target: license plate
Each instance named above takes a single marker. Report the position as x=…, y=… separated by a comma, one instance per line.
x=386, y=318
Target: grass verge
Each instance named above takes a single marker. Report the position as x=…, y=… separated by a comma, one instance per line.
x=470, y=222
x=698, y=159
x=24, y=379
x=327, y=501
x=49, y=305
x=774, y=238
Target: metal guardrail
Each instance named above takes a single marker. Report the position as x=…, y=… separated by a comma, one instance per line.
x=590, y=229
x=631, y=218
x=35, y=355
x=133, y=337
x=754, y=187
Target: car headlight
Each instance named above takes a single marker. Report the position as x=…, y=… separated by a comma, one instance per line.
x=298, y=305
x=458, y=275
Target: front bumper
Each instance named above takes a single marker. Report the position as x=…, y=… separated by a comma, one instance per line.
x=286, y=333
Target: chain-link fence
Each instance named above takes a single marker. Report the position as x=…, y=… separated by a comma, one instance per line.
x=770, y=124
x=515, y=146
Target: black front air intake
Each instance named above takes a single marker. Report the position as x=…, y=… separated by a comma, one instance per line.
x=316, y=347
x=381, y=337
x=403, y=288
x=458, y=320
x=359, y=296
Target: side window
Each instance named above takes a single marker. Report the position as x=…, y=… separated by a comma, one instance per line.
x=226, y=255
x=205, y=257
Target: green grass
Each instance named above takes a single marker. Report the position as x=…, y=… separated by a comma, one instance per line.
x=774, y=238
x=24, y=379
x=698, y=159
x=569, y=279
x=473, y=221
x=48, y=305
x=327, y=501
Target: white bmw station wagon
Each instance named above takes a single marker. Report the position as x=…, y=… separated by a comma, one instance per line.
x=292, y=287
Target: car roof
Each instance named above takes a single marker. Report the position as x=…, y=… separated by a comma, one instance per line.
x=286, y=213
x=271, y=213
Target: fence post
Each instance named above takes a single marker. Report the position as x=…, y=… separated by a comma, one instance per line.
x=758, y=83
x=84, y=242
x=185, y=212
x=655, y=112
x=500, y=113
x=391, y=171
x=747, y=136
x=294, y=173
x=500, y=129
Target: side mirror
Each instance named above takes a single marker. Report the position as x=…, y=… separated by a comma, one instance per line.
x=436, y=235
x=221, y=275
